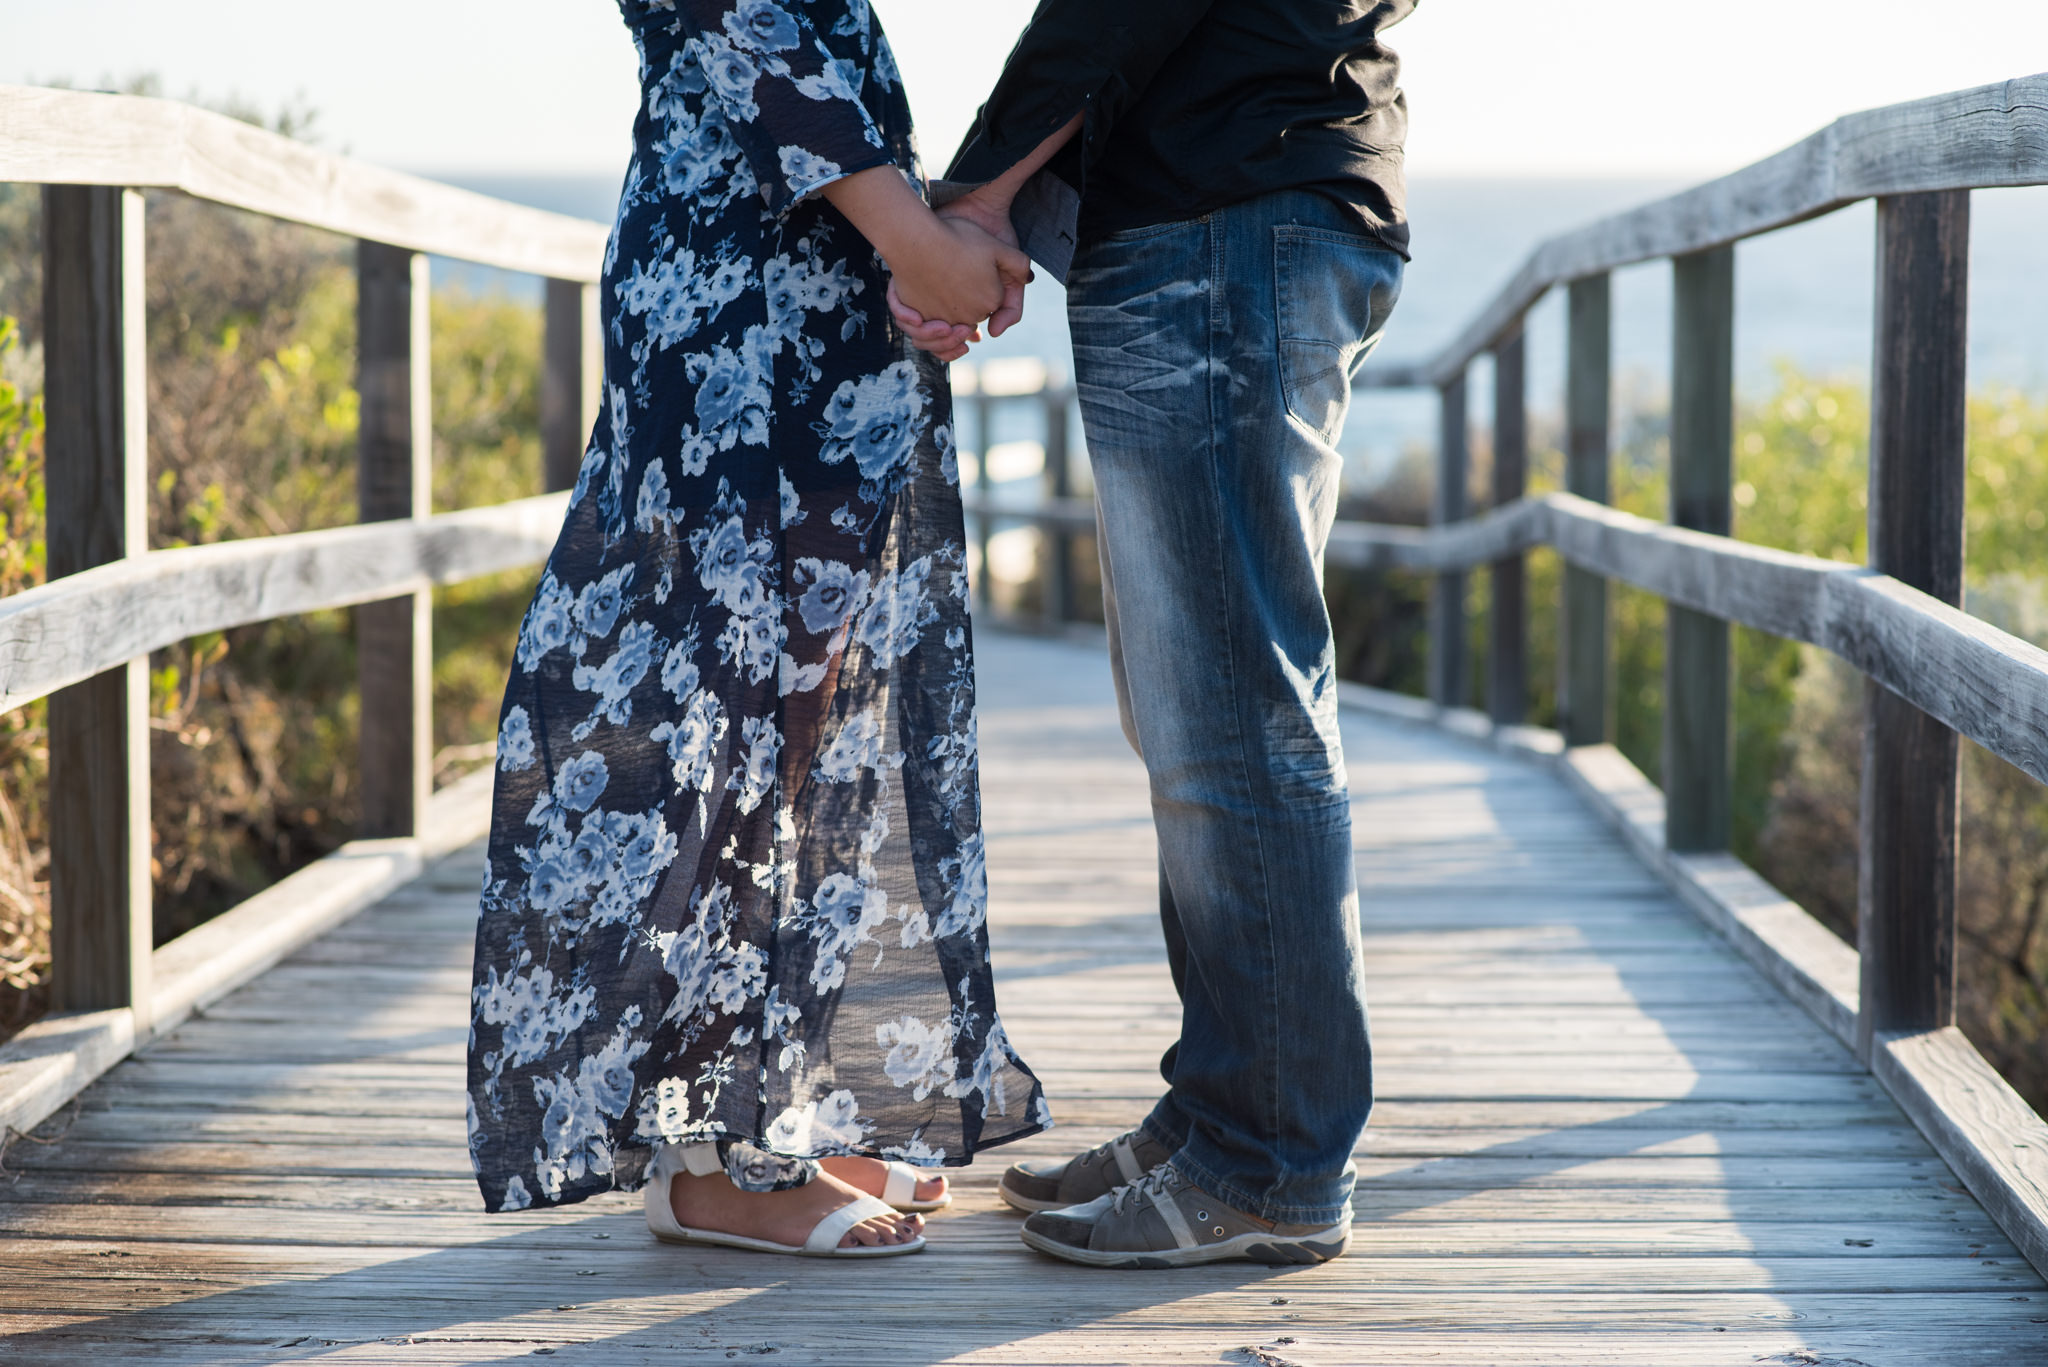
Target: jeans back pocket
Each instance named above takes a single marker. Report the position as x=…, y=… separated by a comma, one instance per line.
x=1334, y=292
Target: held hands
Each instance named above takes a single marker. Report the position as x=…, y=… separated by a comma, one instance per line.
x=961, y=263
x=928, y=294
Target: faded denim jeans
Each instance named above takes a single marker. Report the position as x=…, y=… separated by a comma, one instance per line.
x=1214, y=360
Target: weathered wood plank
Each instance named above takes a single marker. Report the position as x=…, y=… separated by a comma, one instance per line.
x=572, y=366
x=1982, y=682
x=1992, y=1138
x=85, y=138
x=1808, y=962
x=1906, y=897
x=1507, y=653
x=53, y=1060
x=96, y=471
x=1699, y=746
x=394, y=447
x=68, y=630
x=216, y=1201
x=1584, y=695
x=1447, y=680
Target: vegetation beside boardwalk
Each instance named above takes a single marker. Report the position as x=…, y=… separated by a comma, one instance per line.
x=252, y=432
x=1800, y=467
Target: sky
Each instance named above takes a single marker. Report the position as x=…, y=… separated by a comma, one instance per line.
x=1496, y=87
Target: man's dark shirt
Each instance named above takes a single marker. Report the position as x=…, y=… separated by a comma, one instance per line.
x=1195, y=104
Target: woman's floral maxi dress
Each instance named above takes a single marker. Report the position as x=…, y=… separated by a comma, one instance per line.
x=735, y=885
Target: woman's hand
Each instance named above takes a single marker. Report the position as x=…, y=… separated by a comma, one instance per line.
x=949, y=341
x=941, y=269
x=963, y=275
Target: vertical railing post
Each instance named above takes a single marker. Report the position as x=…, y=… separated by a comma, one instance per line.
x=1058, y=542
x=984, y=487
x=1907, y=887
x=96, y=462
x=571, y=364
x=1507, y=656
x=394, y=638
x=1584, y=699
x=1447, y=599
x=1699, y=764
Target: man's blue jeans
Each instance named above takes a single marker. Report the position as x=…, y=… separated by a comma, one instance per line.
x=1214, y=360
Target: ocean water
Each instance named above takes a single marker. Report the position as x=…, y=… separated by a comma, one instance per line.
x=1803, y=295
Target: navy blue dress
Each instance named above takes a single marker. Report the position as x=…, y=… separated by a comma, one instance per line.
x=735, y=887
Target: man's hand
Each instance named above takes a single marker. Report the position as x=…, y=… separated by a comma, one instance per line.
x=949, y=341
x=989, y=211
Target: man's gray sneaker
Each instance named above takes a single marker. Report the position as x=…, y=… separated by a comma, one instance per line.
x=1164, y=1220
x=1054, y=1186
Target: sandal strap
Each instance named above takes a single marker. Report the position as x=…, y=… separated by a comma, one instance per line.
x=825, y=1236
x=901, y=1185
x=698, y=1160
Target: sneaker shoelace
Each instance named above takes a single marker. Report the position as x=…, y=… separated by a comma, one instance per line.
x=1156, y=1184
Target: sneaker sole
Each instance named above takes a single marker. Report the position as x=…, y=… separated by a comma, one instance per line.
x=1016, y=1200
x=1289, y=1251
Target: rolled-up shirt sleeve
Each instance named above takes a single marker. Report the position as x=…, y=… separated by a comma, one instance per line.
x=794, y=109
x=1092, y=57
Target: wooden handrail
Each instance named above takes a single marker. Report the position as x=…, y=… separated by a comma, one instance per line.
x=1993, y=135
x=73, y=137
x=80, y=625
x=83, y=639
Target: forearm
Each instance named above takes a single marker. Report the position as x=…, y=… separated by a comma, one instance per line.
x=887, y=212
x=1003, y=189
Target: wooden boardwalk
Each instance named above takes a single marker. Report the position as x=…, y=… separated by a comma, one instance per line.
x=1601, y=1137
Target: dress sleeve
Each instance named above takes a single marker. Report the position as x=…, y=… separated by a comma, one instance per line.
x=793, y=107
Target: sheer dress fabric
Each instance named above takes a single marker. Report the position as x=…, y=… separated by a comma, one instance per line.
x=735, y=887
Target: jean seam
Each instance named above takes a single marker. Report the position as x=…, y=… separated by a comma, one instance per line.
x=1219, y=318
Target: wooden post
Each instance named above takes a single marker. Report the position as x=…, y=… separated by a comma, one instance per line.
x=1507, y=655
x=394, y=638
x=1059, y=544
x=1906, y=927
x=984, y=525
x=1699, y=758
x=96, y=462
x=571, y=371
x=1447, y=602
x=1584, y=698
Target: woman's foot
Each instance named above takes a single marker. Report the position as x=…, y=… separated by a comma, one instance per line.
x=871, y=1175
x=781, y=1217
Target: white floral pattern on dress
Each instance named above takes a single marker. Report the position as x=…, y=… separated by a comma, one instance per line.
x=735, y=887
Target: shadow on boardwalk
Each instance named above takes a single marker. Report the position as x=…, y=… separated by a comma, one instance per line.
x=1601, y=1138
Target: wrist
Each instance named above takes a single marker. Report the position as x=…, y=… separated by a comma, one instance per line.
x=911, y=238
x=987, y=211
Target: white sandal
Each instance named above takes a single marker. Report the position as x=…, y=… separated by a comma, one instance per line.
x=900, y=1190
x=701, y=1160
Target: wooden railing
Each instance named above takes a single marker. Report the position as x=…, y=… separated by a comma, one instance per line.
x=83, y=638
x=1934, y=672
